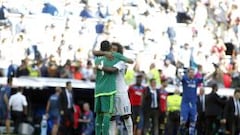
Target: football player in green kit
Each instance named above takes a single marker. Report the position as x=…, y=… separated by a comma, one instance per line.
x=105, y=88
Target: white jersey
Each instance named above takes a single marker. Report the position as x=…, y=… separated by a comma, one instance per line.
x=122, y=106
x=120, y=81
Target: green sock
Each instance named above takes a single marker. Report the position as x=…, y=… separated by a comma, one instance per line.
x=98, y=126
x=105, y=123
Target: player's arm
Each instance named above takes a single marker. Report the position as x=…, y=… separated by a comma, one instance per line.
x=123, y=58
x=110, y=69
x=106, y=69
x=180, y=76
x=208, y=76
x=10, y=103
x=6, y=99
x=47, y=107
x=103, y=53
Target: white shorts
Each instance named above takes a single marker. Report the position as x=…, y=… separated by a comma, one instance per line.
x=122, y=105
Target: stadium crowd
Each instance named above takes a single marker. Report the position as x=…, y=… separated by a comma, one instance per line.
x=163, y=37
x=151, y=32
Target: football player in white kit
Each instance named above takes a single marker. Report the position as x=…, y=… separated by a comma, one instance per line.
x=122, y=103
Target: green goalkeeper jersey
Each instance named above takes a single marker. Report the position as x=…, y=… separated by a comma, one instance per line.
x=106, y=82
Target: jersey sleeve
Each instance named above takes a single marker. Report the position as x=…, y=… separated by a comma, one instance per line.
x=97, y=61
x=183, y=80
x=24, y=101
x=120, y=56
x=120, y=65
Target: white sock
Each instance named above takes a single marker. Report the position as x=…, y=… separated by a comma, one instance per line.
x=129, y=125
x=112, y=127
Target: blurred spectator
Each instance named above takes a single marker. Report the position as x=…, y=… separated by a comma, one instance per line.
x=169, y=71
x=34, y=70
x=154, y=73
x=217, y=77
x=77, y=74
x=210, y=32
x=235, y=75
x=49, y=9
x=66, y=110
x=199, y=73
x=135, y=93
x=214, y=110
x=66, y=71
x=231, y=114
x=12, y=69
x=201, y=108
x=173, y=109
x=20, y=27
x=86, y=13
x=181, y=7
x=5, y=93
x=53, y=110
x=151, y=106
x=43, y=68
x=87, y=120
x=76, y=116
x=18, y=106
x=171, y=56
x=87, y=72
x=163, y=94
x=185, y=55
x=2, y=12
x=22, y=70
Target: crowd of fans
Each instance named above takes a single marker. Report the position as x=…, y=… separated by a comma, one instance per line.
x=55, y=40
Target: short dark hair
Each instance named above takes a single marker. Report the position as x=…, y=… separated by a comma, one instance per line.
x=153, y=79
x=20, y=89
x=119, y=46
x=68, y=83
x=214, y=86
x=237, y=90
x=105, y=46
x=190, y=69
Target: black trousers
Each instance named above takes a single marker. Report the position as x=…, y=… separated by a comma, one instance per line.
x=213, y=125
x=17, y=118
x=173, y=122
x=162, y=122
x=153, y=115
x=201, y=124
x=66, y=125
x=234, y=126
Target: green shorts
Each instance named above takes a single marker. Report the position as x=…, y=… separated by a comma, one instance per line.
x=104, y=104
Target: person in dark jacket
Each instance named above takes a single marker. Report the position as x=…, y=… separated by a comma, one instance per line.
x=66, y=100
x=151, y=108
x=214, y=110
x=53, y=110
x=201, y=108
x=231, y=115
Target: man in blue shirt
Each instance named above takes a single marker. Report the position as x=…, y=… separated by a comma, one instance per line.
x=189, y=101
x=53, y=110
x=5, y=93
